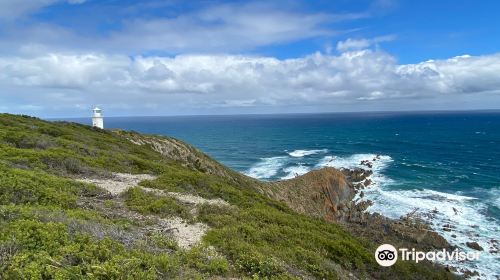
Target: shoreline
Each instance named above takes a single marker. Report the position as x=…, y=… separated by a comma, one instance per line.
x=349, y=208
x=459, y=236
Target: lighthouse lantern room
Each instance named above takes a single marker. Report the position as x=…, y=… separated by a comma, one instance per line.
x=97, y=120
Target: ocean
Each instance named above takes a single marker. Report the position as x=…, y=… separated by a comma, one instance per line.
x=444, y=161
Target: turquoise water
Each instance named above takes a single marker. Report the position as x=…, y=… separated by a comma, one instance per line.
x=449, y=161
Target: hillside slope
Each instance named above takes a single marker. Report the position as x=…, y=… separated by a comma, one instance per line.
x=78, y=202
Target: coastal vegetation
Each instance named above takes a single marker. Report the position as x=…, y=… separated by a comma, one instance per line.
x=53, y=226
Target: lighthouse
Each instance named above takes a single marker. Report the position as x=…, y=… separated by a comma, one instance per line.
x=97, y=118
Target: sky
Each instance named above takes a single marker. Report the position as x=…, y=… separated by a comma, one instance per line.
x=59, y=58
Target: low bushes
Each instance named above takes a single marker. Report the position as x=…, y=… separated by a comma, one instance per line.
x=148, y=203
x=36, y=188
x=71, y=149
x=42, y=242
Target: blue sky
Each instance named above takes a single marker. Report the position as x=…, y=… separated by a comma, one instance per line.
x=60, y=57
x=424, y=29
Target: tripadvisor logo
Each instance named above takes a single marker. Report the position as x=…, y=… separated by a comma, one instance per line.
x=387, y=255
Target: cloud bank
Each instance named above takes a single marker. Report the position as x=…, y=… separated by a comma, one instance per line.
x=211, y=81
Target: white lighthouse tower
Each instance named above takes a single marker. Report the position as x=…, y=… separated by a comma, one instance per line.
x=97, y=118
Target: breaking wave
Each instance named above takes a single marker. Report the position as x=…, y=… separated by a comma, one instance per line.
x=302, y=153
x=378, y=162
x=267, y=167
x=294, y=171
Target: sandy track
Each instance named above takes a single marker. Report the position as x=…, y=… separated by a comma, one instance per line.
x=186, y=234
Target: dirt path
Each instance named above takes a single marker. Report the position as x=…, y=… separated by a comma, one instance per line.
x=119, y=183
x=188, y=198
x=186, y=234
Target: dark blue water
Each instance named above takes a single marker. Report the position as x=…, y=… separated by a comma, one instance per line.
x=432, y=160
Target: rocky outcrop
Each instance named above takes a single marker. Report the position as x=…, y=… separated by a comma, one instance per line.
x=323, y=193
x=329, y=193
x=357, y=174
x=407, y=232
x=474, y=245
x=326, y=193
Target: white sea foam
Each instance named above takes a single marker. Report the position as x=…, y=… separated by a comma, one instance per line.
x=267, y=167
x=294, y=171
x=303, y=153
x=464, y=214
x=494, y=195
x=354, y=161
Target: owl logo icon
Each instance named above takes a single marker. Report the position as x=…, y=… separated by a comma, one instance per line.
x=386, y=255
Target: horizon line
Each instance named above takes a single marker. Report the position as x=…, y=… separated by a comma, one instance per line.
x=297, y=113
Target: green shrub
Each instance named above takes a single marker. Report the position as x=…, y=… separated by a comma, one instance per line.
x=217, y=216
x=67, y=165
x=29, y=141
x=28, y=187
x=68, y=148
x=162, y=241
x=148, y=203
x=207, y=260
x=256, y=264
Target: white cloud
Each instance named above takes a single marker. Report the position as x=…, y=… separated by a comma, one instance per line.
x=223, y=28
x=210, y=29
x=358, y=44
x=352, y=44
x=207, y=81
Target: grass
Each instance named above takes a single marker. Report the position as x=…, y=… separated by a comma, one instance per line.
x=46, y=233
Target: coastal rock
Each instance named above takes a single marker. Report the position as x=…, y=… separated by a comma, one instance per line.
x=400, y=233
x=367, y=164
x=469, y=273
x=363, y=205
x=359, y=186
x=474, y=245
x=495, y=246
x=450, y=268
x=367, y=182
x=357, y=174
x=328, y=193
x=447, y=227
x=323, y=193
